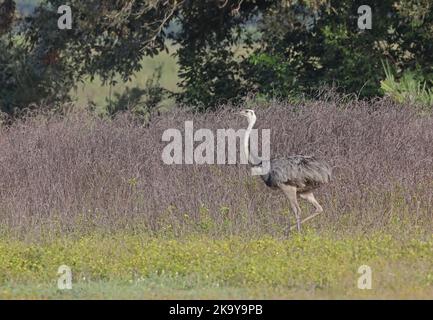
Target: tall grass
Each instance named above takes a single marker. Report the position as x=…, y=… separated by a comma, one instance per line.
x=77, y=173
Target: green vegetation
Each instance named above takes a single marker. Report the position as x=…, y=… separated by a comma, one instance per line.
x=411, y=87
x=138, y=266
x=298, y=46
x=224, y=51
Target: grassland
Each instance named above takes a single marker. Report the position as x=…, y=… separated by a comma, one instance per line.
x=308, y=266
x=93, y=194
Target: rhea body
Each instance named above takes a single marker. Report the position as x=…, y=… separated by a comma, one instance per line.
x=295, y=175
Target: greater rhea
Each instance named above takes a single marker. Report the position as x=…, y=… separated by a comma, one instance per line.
x=295, y=175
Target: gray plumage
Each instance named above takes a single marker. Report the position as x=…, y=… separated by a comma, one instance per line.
x=295, y=175
x=303, y=172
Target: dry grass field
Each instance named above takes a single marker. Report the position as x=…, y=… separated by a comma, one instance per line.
x=93, y=193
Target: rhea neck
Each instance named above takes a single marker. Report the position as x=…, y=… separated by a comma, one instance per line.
x=250, y=157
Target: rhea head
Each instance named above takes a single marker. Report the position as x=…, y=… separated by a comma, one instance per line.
x=249, y=114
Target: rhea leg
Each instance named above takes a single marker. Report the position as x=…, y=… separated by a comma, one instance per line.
x=311, y=199
x=291, y=194
x=309, y=196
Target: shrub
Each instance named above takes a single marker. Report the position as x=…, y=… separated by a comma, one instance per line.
x=411, y=87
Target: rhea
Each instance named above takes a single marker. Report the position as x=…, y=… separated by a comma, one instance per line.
x=295, y=175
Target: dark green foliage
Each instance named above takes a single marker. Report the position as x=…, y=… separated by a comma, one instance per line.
x=29, y=78
x=107, y=38
x=300, y=46
x=40, y=63
x=226, y=48
x=210, y=71
x=7, y=15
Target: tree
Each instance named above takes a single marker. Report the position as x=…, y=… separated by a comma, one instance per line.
x=226, y=48
x=303, y=47
x=297, y=46
x=7, y=15
x=108, y=37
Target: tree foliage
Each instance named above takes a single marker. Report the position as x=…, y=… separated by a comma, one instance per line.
x=225, y=48
x=301, y=45
x=108, y=38
x=331, y=48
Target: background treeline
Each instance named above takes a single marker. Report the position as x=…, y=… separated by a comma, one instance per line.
x=225, y=50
